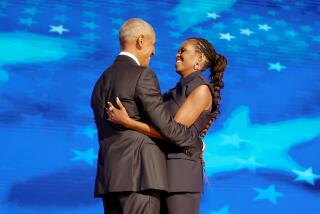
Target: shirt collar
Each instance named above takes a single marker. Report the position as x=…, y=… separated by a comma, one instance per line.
x=130, y=55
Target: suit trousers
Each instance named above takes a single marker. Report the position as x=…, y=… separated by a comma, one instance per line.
x=145, y=202
x=183, y=203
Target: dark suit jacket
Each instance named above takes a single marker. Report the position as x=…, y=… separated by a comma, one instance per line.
x=128, y=160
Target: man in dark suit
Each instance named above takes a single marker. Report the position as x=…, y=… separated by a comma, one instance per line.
x=131, y=169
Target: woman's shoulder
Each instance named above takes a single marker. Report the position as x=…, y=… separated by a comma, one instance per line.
x=196, y=82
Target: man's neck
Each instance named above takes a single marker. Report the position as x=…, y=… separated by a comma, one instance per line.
x=130, y=54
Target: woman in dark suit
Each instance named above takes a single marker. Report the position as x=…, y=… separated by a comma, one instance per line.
x=194, y=102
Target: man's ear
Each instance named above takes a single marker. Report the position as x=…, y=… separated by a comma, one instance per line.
x=140, y=41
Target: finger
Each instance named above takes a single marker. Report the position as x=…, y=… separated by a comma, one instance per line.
x=110, y=105
x=111, y=108
x=119, y=103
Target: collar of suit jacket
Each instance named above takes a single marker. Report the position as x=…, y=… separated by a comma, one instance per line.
x=131, y=56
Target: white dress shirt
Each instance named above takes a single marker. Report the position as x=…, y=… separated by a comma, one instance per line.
x=131, y=56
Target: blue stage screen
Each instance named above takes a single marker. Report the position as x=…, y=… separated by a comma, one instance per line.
x=262, y=153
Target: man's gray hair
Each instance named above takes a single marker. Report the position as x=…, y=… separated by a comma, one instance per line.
x=133, y=28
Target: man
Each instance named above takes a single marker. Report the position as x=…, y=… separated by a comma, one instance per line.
x=131, y=169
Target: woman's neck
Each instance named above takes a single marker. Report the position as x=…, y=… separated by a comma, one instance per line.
x=187, y=73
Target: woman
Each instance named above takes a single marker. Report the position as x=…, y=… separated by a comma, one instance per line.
x=194, y=102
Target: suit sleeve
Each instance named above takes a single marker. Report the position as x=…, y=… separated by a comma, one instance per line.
x=148, y=94
x=98, y=105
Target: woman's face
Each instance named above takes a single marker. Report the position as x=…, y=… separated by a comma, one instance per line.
x=186, y=58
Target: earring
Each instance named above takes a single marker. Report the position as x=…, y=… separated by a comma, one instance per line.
x=196, y=67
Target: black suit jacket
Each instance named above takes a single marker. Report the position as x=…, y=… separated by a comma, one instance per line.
x=128, y=160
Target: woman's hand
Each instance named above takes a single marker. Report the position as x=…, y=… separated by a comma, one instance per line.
x=119, y=116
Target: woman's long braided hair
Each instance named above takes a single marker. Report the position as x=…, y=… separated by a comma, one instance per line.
x=217, y=64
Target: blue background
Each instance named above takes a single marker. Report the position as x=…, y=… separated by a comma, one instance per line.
x=262, y=153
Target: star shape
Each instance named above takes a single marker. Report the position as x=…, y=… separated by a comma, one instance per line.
x=30, y=11
x=233, y=140
x=27, y=21
x=276, y=66
x=249, y=163
x=255, y=43
x=269, y=143
x=246, y=31
x=89, y=131
x=58, y=29
x=61, y=18
x=264, y=27
x=118, y=21
x=115, y=31
x=198, y=30
x=238, y=21
x=226, y=36
x=223, y=210
x=281, y=23
x=306, y=175
x=255, y=17
x=291, y=33
x=90, y=36
x=87, y=155
x=272, y=12
x=90, y=14
x=90, y=25
x=269, y=194
x=213, y=15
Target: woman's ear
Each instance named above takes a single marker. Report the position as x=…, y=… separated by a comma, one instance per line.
x=201, y=58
